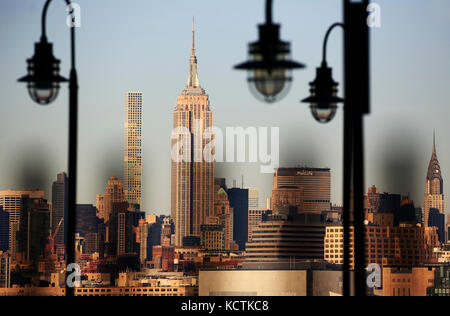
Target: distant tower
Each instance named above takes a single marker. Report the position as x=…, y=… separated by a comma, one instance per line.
x=434, y=188
x=192, y=179
x=12, y=202
x=133, y=149
x=60, y=206
x=114, y=193
x=253, y=199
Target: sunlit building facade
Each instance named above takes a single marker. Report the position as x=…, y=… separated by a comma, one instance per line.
x=192, y=176
x=133, y=148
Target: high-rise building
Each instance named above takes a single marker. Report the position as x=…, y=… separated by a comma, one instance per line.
x=12, y=201
x=213, y=235
x=256, y=217
x=434, y=186
x=316, y=184
x=239, y=202
x=121, y=237
x=4, y=230
x=34, y=229
x=114, y=193
x=297, y=238
x=287, y=197
x=436, y=219
x=253, y=198
x=133, y=149
x=192, y=176
x=385, y=245
x=224, y=212
x=5, y=270
x=60, y=206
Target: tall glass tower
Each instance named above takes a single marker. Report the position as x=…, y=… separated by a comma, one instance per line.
x=133, y=149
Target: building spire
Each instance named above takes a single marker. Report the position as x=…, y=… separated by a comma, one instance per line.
x=193, y=37
x=193, y=84
x=434, y=142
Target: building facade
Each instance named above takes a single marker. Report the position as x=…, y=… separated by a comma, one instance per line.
x=434, y=187
x=60, y=206
x=281, y=240
x=114, y=193
x=12, y=202
x=5, y=270
x=4, y=230
x=384, y=245
x=407, y=282
x=255, y=217
x=316, y=184
x=192, y=176
x=133, y=149
x=253, y=198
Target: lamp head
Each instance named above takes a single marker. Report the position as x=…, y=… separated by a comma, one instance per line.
x=269, y=65
x=323, y=98
x=43, y=74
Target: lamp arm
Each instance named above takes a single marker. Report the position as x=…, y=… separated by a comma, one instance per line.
x=44, y=30
x=325, y=41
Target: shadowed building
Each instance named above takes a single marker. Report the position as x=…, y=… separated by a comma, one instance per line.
x=114, y=193
x=224, y=212
x=60, y=207
x=4, y=230
x=291, y=239
x=434, y=187
x=192, y=177
x=239, y=203
x=34, y=229
x=11, y=201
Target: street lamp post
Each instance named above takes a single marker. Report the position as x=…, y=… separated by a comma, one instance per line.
x=43, y=85
x=323, y=103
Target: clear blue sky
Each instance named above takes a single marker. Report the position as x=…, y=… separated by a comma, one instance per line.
x=145, y=45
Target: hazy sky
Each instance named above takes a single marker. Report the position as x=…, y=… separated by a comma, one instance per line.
x=144, y=45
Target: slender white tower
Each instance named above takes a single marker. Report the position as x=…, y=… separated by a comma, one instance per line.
x=133, y=149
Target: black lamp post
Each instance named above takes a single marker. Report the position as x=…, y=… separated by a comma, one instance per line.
x=43, y=85
x=269, y=66
x=324, y=100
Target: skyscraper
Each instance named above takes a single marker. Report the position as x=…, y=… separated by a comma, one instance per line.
x=4, y=230
x=113, y=194
x=133, y=149
x=60, y=205
x=253, y=199
x=239, y=203
x=434, y=188
x=12, y=201
x=316, y=184
x=192, y=176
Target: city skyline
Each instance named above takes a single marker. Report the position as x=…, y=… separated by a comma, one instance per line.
x=400, y=147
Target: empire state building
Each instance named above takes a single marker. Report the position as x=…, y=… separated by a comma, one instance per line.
x=192, y=176
x=434, y=189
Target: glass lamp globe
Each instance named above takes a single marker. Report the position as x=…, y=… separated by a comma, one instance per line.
x=323, y=99
x=43, y=74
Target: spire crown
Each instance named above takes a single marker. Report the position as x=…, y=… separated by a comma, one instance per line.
x=193, y=84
